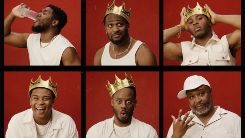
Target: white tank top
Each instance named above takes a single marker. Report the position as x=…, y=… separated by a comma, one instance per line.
x=216, y=52
x=49, y=55
x=127, y=60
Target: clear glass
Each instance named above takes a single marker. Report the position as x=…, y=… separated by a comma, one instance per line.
x=28, y=13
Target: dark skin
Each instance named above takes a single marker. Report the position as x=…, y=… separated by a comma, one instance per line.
x=123, y=103
x=49, y=31
x=200, y=102
x=41, y=102
x=203, y=32
x=116, y=28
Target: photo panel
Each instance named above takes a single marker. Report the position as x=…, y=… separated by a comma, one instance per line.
x=143, y=25
x=171, y=18
x=225, y=91
x=71, y=31
x=68, y=99
x=98, y=100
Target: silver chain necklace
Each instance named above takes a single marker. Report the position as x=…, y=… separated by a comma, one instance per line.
x=126, y=50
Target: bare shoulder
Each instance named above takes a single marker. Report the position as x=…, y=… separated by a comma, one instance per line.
x=97, y=56
x=144, y=56
x=70, y=57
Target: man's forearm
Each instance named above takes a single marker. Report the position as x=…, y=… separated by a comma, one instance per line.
x=171, y=32
x=7, y=23
x=234, y=20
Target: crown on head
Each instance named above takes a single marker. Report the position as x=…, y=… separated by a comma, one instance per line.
x=119, y=10
x=197, y=10
x=40, y=83
x=119, y=84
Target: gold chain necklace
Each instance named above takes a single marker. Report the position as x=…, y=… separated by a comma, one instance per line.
x=126, y=50
x=43, y=46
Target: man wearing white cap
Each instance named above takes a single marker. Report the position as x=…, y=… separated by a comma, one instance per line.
x=204, y=120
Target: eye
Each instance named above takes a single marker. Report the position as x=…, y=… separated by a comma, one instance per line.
x=109, y=25
x=46, y=98
x=118, y=101
x=200, y=18
x=119, y=25
x=129, y=102
x=35, y=98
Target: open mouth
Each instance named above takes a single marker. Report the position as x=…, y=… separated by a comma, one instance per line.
x=124, y=114
x=197, y=29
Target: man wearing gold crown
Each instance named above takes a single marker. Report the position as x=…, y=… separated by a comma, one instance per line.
x=41, y=121
x=122, y=48
x=48, y=46
x=204, y=120
x=122, y=124
x=206, y=48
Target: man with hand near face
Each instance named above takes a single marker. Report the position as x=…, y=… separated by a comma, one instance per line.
x=204, y=120
x=42, y=121
x=122, y=124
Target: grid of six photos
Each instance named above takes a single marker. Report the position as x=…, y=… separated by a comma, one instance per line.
x=81, y=90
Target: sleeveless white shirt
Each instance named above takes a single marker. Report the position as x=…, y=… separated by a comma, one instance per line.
x=49, y=55
x=216, y=52
x=127, y=60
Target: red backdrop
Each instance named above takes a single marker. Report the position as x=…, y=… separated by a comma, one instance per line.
x=172, y=11
x=224, y=93
x=72, y=30
x=98, y=102
x=16, y=99
x=144, y=24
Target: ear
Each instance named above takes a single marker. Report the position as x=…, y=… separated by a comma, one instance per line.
x=112, y=102
x=55, y=22
x=135, y=103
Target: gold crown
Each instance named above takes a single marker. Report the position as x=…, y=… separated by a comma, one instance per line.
x=119, y=10
x=197, y=10
x=119, y=84
x=40, y=83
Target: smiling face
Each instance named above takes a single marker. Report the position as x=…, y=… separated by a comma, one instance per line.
x=41, y=102
x=116, y=28
x=43, y=21
x=200, y=100
x=199, y=26
x=123, y=104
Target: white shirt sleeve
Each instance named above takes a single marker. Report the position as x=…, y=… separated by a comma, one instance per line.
x=170, y=131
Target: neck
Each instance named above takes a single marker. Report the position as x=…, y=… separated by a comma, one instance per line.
x=205, y=118
x=122, y=46
x=121, y=124
x=47, y=36
x=202, y=41
x=42, y=121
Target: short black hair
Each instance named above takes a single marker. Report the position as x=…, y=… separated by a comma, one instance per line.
x=60, y=15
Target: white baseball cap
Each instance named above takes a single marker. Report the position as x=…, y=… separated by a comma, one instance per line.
x=192, y=82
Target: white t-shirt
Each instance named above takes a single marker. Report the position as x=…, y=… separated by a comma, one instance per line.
x=127, y=60
x=49, y=55
x=223, y=124
x=137, y=129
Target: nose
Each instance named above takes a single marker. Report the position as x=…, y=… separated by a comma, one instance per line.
x=115, y=28
x=40, y=102
x=123, y=104
x=198, y=99
x=195, y=22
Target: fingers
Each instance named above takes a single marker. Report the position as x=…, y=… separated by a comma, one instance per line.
x=182, y=11
x=186, y=115
x=174, y=119
x=180, y=114
x=189, y=119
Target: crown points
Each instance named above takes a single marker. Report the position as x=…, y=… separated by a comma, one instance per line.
x=119, y=84
x=197, y=10
x=40, y=83
x=119, y=10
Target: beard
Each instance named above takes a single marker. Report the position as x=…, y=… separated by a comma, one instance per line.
x=203, y=112
x=121, y=40
x=39, y=28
